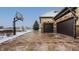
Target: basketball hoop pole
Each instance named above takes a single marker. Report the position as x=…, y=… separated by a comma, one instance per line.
x=14, y=27
x=14, y=23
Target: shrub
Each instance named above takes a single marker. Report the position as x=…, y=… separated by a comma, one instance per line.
x=36, y=26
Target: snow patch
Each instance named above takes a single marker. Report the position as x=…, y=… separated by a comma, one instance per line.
x=5, y=38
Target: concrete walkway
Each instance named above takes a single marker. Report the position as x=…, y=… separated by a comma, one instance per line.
x=37, y=41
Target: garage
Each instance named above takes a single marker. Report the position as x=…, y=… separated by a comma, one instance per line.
x=48, y=27
x=67, y=27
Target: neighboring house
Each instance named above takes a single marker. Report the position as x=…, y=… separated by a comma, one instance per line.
x=9, y=31
x=18, y=29
x=65, y=22
x=6, y=32
x=1, y=27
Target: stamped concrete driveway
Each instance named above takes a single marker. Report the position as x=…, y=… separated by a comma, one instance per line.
x=37, y=41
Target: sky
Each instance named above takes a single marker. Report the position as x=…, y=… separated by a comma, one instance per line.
x=30, y=14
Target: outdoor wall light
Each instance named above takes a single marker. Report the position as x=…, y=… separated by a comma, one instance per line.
x=17, y=17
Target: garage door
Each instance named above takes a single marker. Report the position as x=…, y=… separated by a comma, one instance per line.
x=67, y=27
x=48, y=27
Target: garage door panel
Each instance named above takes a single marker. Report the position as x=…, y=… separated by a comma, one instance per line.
x=48, y=27
x=66, y=27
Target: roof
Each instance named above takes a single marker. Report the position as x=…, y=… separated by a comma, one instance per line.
x=63, y=12
x=50, y=14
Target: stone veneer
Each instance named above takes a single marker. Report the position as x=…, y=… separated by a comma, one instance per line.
x=46, y=20
x=65, y=17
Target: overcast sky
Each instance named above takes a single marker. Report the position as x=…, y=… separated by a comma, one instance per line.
x=30, y=15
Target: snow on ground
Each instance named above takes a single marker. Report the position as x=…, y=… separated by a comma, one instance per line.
x=12, y=37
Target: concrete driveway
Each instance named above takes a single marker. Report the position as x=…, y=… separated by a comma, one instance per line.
x=37, y=41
